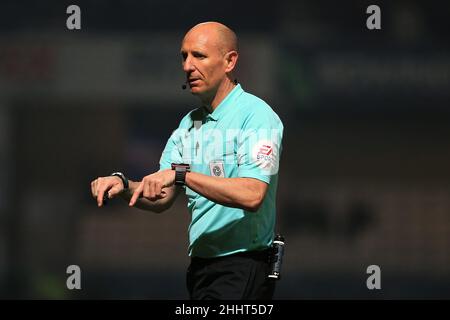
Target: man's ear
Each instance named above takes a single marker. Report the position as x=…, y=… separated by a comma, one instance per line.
x=231, y=60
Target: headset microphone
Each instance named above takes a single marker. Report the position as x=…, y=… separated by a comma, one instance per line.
x=184, y=86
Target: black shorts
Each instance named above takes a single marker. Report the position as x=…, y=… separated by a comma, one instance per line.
x=234, y=277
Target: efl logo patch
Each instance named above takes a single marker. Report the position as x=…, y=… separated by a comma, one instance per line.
x=216, y=169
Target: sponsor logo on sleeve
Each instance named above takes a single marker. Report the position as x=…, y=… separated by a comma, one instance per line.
x=265, y=155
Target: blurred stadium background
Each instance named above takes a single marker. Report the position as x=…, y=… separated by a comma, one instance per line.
x=365, y=167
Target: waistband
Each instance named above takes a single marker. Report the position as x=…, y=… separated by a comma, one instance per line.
x=262, y=255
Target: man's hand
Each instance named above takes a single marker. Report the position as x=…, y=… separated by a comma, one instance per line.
x=112, y=185
x=151, y=186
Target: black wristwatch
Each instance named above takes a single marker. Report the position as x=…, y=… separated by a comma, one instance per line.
x=180, y=173
x=122, y=177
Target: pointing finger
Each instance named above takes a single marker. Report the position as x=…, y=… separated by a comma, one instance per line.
x=100, y=197
x=136, y=194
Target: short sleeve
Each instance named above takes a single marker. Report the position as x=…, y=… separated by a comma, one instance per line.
x=171, y=153
x=259, y=146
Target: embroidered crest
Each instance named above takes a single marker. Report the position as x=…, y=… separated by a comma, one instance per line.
x=216, y=169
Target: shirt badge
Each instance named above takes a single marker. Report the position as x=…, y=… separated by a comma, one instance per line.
x=216, y=169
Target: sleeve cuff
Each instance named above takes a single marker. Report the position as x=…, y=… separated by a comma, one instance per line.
x=164, y=167
x=251, y=174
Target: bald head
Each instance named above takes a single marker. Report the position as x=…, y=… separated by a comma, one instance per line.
x=209, y=56
x=216, y=34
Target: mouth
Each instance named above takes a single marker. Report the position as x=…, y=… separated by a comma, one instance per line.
x=193, y=81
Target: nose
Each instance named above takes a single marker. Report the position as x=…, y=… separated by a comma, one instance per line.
x=188, y=66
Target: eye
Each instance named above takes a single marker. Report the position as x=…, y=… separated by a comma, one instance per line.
x=184, y=56
x=198, y=55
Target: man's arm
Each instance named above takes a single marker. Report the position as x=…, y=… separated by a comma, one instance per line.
x=244, y=193
x=114, y=187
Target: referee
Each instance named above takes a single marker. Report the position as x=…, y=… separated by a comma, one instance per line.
x=225, y=157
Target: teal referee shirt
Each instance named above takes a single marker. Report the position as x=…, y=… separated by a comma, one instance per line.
x=240, y=138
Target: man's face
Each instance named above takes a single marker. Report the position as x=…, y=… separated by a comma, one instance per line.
x=203, y=62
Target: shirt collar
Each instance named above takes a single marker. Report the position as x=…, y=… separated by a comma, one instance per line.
x=223, y=106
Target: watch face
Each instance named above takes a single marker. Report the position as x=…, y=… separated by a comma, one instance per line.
x=180, y=167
